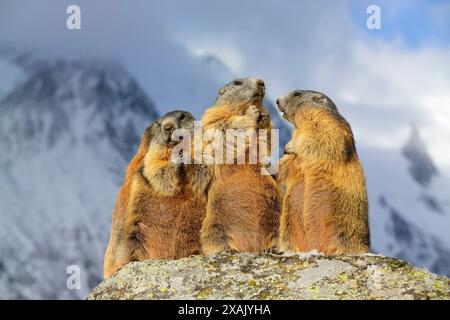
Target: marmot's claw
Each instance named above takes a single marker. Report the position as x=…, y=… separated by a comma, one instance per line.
x=272, y=251
x=287, y=150
x=264, y=120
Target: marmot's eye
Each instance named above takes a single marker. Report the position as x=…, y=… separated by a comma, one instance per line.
x=182, y=117
x=237, y=82
x=297, y=94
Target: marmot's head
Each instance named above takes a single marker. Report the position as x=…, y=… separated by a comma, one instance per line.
x=166, y=130
x=291, y=102
x=241, y=92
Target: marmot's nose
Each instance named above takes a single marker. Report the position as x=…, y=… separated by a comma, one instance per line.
x=260, y=83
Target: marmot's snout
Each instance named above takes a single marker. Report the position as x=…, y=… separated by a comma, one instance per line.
x=279, y=104
x=282, y=105
x=260, y=88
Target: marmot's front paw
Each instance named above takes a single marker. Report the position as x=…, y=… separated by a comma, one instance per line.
x=288, y=148
x=253, y=112
x=264, y=120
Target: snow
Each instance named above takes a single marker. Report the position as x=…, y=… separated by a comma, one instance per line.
x=60, y=170
x=10, y=76
x=392, y=188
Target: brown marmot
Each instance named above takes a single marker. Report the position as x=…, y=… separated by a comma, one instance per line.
x=324, y=190
x=156, y=215
x=243, y=206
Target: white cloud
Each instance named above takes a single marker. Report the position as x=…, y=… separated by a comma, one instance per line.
x=405, y=86
x=225, y=50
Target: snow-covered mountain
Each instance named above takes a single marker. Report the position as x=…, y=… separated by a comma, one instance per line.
x=68, y=130
x=409, y=204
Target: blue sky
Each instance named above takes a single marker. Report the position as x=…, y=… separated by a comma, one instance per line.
x=415, y=23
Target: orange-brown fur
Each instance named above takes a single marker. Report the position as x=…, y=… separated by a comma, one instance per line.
x=121, y=204
x=156, y=216
x=324, y=199
x=243, y=206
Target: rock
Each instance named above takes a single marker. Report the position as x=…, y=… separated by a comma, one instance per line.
x=268, y=276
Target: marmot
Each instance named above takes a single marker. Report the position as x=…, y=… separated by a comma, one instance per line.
x=156, y=215
x=243, y=206
x=324, y=197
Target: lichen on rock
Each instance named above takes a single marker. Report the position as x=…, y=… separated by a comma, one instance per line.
x=269, y=276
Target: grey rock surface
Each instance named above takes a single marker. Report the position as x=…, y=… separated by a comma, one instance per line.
x=268, y=276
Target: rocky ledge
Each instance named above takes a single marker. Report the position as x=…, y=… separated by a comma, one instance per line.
x=268, y=276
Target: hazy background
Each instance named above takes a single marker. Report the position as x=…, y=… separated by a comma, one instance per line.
x=73, y=104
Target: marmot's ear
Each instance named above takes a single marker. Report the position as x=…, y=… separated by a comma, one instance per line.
x=320, y=100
